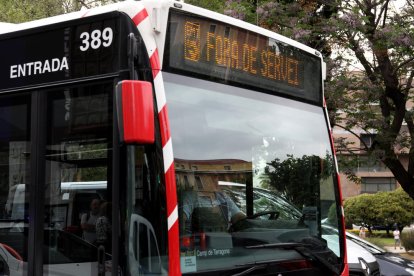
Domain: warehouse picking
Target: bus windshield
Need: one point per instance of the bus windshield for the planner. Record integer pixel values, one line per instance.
(255, 177)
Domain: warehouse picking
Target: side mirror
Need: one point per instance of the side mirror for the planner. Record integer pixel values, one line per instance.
(135, 112)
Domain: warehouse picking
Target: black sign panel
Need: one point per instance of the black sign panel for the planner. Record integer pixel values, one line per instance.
(200, 46)
(78, 49)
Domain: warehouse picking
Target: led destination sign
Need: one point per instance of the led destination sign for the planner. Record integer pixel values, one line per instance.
(214, 49)
(233, 54)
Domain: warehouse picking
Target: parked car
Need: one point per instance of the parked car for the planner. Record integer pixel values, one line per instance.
(360, 261)
(390, 263)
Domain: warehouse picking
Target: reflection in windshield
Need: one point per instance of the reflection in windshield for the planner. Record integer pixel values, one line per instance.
(251, 169)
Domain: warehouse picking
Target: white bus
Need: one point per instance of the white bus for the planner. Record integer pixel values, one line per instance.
(155, 105)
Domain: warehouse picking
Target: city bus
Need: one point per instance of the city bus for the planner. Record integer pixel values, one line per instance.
(159, 138)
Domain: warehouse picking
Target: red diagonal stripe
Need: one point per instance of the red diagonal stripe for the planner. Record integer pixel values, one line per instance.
(164, 126)
(170, 189)
(174, 249)
(155, 63)
(140, 17)
(171, 194)
(173, 233)
(83, 15)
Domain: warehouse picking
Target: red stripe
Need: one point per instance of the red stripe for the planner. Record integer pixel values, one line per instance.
(85, 14)
(171, 192)
(164, 125)
(170, 189)
(155, 63)
(345, 271)
(140, 17)
(174, 249)
(173, 233)
(171, 197)
(332, 142)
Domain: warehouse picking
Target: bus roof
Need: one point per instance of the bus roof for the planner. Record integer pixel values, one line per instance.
(157, 10)
(7, 27)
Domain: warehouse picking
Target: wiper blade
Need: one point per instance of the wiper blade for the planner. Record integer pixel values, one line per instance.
(302, 249)
(284, 245)
(251, 269)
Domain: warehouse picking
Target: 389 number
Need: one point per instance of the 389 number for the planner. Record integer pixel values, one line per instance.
(96, 39)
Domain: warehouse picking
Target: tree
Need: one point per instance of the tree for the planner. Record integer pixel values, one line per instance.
(361, 210)
(378, 40)
(382, 208)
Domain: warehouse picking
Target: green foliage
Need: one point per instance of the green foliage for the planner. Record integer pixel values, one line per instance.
(294, 19)
(361, 209)
(407, 239)
(332, 215)
(347, 165)
(17, 11)
(213, 5)
(380, 241)
(382, 208)
(298, 179)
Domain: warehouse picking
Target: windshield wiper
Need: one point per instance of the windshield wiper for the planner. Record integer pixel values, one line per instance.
(250, 269)
(302, 249)
(284, 245)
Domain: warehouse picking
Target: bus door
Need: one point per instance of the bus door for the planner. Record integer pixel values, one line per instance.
(15, 140)
(56, 152)
(78, 179)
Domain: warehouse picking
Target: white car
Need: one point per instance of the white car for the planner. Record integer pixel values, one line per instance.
(360, 260)
(390, 263)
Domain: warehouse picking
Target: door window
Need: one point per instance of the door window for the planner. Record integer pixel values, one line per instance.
(77, 218)
(14, 180)
(146, 206)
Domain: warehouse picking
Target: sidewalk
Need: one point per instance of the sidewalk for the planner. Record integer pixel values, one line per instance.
(391, 249)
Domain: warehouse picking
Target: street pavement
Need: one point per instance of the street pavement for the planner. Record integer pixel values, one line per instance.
(395, 250)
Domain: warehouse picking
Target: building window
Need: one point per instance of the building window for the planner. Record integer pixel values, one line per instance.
(227, 168)
(370, 164)
(377, 184)
(367, 139)
(194, 168)
(199, 183)
(186, 182)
